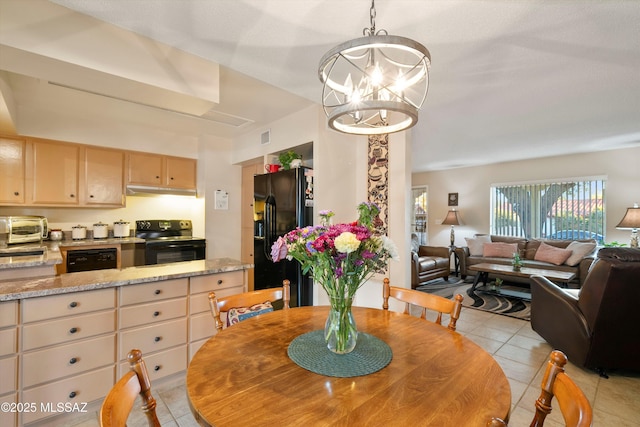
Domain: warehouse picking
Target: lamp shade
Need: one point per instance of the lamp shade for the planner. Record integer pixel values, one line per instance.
(631, 219)
(452, 218)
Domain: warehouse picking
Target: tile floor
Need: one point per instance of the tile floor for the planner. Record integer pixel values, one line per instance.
(519, 350)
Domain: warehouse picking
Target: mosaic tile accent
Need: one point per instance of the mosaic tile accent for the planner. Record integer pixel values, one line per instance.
(378, 177)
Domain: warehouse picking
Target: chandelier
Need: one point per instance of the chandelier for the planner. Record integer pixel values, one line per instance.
(374, 84)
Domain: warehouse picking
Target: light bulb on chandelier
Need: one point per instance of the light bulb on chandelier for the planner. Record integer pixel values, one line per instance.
(393, 78)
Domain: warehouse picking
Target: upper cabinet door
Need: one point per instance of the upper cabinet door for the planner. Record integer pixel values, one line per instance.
(104, 177)
(55, 173)
(12, 158)
(145, 169)
(181, 172)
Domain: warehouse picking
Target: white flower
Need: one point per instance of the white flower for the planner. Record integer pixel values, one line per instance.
(347, 242)
(390, 247)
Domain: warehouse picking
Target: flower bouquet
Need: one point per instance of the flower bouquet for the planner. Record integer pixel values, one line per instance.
(341, 258)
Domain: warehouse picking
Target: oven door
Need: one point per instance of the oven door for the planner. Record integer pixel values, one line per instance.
(166, 251)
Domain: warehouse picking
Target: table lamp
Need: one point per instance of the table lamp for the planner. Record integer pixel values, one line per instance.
(452, 219)
(631, 220)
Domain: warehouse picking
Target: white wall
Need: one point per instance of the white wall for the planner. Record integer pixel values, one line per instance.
(472, 185)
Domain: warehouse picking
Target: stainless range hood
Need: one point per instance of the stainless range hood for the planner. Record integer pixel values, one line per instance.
(142, 190)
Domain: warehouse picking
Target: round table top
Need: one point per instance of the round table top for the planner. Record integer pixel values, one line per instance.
(243, 376)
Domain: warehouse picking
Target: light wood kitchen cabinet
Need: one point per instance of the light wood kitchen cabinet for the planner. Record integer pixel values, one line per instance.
(103, 181)
(161, 171)
(54, 170)
(8, 359)
(201, 323)
(75, 334)
(153, 319)
(247, 221)
(12, 165)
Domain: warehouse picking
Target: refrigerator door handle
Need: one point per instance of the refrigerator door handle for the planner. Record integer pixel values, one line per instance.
(269, 225)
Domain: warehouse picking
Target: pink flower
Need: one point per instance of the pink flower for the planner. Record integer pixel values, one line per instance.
(279, 249)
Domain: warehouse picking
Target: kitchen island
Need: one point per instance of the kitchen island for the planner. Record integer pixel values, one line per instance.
(84, 324)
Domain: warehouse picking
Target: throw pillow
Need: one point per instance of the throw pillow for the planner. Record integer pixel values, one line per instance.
(476, 244)
(499, 249)
(238, 314)
(553, 255)
(579, 250)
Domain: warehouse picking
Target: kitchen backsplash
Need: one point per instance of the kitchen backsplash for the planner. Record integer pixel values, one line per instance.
(159, 207)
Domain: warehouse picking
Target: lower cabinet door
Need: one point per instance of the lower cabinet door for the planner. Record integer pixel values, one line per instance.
(70, 395)
(153, 338)
(162, 364)
(70, 359)
(9, 418)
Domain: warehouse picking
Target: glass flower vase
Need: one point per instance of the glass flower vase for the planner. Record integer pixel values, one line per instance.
(340, 332)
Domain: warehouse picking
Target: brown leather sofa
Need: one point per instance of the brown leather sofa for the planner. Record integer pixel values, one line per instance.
(527, 248)
(596, 326)
(428, 263)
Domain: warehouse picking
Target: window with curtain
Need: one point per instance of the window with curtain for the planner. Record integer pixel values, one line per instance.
(568, 209)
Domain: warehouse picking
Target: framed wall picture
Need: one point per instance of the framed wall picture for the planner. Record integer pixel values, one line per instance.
(453, 199)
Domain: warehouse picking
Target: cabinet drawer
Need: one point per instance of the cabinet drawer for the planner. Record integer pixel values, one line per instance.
(153, 338)
(154, 291)
(9, 419)
(9, 369)
(68, 329)
(215, 282)
(199, 303)
(77, 390)
(162, 364)
(8, 313)
(8, 341)
(49, 307)
(144, 314)
(194, 347)
(57, 362)
(201, 326)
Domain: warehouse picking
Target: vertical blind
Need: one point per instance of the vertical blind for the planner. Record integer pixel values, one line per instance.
(570, 209)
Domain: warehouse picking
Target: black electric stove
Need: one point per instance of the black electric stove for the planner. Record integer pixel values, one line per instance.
(170, 241)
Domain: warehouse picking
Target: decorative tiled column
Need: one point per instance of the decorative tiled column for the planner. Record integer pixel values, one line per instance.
(378, 177)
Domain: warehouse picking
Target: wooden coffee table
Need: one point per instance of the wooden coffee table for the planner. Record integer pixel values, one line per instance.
(484, 269)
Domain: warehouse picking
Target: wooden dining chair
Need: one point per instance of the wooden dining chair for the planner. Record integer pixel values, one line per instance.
(248, 304)
(574, 405)
(118, 404)
(424, 300)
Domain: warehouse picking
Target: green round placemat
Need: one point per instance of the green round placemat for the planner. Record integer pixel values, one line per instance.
(310, 352)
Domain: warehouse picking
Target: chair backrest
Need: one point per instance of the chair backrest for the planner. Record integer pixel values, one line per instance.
(247, 299)
(574, 405)
(120, 400)
(424, 300)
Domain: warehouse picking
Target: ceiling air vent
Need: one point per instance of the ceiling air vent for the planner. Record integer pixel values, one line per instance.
(265, 137)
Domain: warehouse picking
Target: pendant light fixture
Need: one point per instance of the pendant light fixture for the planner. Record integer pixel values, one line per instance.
(374, 84)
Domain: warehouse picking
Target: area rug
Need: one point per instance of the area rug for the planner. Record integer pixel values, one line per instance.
(479, 300)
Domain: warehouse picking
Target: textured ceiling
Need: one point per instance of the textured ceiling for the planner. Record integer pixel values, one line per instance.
(509, 79)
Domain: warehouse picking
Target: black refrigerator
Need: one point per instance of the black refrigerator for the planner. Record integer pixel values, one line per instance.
(282, 201)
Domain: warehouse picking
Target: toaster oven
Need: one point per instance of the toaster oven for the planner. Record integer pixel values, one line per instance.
(23, 229)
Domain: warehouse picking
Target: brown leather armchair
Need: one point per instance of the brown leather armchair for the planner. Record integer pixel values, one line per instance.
(428, 263)
(596, 326)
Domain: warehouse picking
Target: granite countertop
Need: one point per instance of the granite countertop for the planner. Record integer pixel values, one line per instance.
(50, 251)
(99, 279)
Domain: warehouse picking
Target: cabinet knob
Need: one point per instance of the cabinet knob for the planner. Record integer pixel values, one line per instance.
(157, 339)
(91, 196)
(73, 330)
(16, 193)
(219, 281)
(171, 178)
(157, 292)
(157, 368)
(73, 360)
(156, 313)
(73, 304)
(157, 177)
(72, 195)
(72, 394)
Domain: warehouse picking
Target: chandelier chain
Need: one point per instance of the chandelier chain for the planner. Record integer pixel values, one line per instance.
(372, 15)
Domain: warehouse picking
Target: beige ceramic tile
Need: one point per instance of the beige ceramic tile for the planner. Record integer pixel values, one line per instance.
(492, 333)
(519, 354)
(530, 344)
(489, 345)
(516, 370)
(508, 324)
(517, 390)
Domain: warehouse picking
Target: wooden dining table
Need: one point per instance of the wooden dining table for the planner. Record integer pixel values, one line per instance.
(243, 376)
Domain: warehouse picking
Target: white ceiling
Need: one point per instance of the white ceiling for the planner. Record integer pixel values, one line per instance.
(509, 79)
